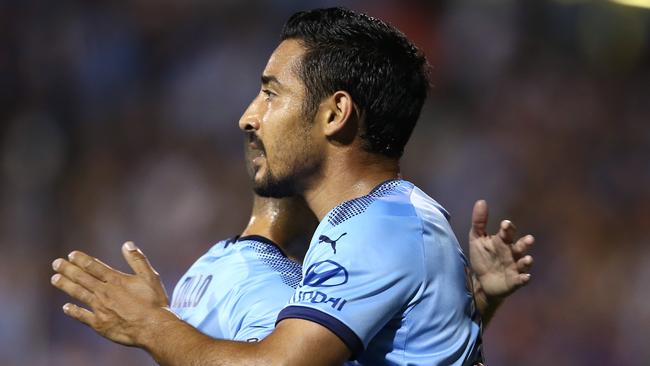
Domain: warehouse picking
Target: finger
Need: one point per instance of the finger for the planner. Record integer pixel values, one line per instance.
(479, 219)
(522, 246)
(520, 280)
(525, 264)
(76, 274)
(524, 279)
(93, 266)
(137, 260)
(74, 290)
(76, 312)
(507, 231)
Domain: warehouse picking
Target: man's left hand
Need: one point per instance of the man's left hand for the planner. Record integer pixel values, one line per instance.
(121, 305)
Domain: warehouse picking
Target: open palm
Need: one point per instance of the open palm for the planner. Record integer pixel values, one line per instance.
(500, 264)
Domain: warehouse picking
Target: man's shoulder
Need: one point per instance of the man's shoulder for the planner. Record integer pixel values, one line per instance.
(247, 261)
(249, 269)
(258, 272)
(381, 227)
(396, 220)
(426, 207)
(213, 254)
(395, 205)
(387, 201)
(247, 250)
(267, 263)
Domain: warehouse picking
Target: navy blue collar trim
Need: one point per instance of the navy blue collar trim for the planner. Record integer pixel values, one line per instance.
(261, 239)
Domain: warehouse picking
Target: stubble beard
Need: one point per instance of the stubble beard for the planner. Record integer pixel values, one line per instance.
(290, 178)
(274, 187)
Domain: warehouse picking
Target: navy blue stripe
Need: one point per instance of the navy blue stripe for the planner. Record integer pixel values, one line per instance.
(334, 325)
(445, 214)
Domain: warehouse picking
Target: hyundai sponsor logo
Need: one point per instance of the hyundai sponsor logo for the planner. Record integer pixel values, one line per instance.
(325, 274)
(317, 297)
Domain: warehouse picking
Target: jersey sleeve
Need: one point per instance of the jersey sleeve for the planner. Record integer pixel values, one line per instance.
(255, 323)
(255, 307)
(357, 276)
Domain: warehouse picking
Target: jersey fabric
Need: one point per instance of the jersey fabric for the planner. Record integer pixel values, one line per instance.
(385, 273)
(236, 289)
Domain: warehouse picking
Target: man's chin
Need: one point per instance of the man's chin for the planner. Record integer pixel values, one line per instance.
(275, 190)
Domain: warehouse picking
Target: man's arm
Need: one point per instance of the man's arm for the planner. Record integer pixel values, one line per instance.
(500, 265)
(294, 342)
(132, 310)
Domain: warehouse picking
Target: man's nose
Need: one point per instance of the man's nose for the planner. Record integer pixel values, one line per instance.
(250, 120)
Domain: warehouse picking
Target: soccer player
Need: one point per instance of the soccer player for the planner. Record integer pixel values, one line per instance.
(236, 290)
(384, 280)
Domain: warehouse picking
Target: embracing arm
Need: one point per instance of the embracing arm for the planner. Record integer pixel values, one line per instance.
(132, 310)
(294, 342)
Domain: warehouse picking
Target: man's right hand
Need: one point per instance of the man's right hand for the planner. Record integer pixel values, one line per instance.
(499, 263)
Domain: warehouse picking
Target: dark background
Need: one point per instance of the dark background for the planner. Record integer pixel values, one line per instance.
(118, 121)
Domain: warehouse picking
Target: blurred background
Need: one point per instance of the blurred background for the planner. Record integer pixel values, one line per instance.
(118, 121)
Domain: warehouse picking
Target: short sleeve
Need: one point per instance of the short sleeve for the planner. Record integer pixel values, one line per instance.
(357, 276)
(254, 307)
(257, 322)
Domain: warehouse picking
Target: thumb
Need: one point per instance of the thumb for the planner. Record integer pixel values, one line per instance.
(137, 260)
(479, 219)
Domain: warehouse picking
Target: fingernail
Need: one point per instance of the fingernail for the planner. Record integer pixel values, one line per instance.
(66, 307)
(55, 278)
(56, 264)
(71, 255)
(130, 246)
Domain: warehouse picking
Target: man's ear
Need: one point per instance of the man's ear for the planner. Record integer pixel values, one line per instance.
(340, 115)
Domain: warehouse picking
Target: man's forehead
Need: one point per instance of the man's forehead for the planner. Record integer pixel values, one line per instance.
(284, 60)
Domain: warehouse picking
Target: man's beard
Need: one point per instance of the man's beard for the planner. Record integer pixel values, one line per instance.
(270, 186)
(287, 185)
(273, 187)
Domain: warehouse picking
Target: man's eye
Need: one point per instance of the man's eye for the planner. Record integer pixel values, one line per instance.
(268, 94)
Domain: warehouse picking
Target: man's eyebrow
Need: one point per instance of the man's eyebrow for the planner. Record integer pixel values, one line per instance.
(270, 79)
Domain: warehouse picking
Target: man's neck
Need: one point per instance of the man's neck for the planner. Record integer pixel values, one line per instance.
(287, 222)
(348, 177)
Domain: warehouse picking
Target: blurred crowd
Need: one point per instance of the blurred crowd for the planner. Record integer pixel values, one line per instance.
(118, 121)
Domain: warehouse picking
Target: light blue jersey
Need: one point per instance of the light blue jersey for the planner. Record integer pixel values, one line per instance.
(385, 273)
(236, 290)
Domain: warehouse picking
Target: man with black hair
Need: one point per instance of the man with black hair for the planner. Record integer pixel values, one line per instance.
(339, 99)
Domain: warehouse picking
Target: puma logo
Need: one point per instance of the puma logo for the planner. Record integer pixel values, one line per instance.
(325, 239)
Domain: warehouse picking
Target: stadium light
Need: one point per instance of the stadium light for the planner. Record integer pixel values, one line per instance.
(637, 3)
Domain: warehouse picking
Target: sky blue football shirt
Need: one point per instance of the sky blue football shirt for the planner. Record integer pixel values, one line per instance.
(236, 290)
(386, 274)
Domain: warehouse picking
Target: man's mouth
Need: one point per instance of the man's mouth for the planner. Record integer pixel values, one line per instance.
(256, 152)
(254, 143)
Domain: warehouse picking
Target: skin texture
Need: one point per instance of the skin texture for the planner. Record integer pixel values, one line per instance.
(279, 148)
(499, 262)
(287, 222)
(324, 161)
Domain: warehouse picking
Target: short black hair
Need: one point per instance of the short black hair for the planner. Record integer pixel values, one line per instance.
(385, 73)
